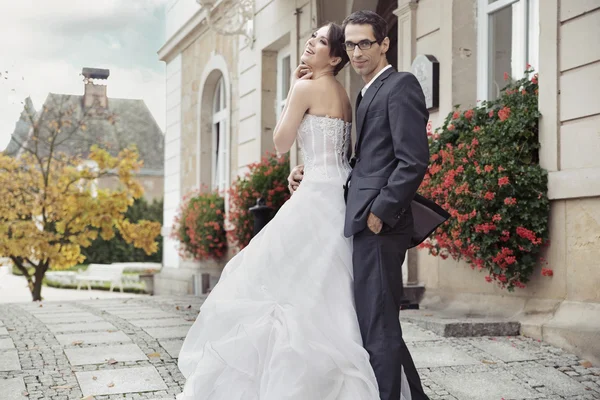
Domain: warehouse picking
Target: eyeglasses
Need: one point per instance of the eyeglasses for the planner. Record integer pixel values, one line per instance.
(363, 45)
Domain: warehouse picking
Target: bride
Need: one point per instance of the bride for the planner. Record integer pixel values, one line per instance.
(281, 322)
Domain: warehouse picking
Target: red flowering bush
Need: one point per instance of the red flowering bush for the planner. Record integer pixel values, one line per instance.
(484, 171)
(199, 226)
(266, 179)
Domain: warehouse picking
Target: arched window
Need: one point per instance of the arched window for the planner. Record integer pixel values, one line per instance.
(219, 137)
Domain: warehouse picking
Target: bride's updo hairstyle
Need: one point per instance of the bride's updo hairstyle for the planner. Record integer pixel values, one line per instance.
(335, 38)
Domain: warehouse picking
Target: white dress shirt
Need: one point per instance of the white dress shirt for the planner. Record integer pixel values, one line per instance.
(364, 89)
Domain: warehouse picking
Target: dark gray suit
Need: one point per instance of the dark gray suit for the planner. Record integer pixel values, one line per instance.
(391, 158)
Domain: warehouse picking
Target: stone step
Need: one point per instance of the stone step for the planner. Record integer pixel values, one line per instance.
(412, 296)
(461, 326)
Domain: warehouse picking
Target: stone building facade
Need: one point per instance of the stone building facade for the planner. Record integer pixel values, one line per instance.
(475, 42)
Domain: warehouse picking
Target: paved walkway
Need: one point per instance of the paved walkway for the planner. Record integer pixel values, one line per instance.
(128, 348)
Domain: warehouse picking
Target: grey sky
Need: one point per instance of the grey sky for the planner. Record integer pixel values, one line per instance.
(45, 43)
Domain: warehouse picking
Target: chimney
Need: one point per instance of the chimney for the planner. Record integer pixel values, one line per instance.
(95, 87)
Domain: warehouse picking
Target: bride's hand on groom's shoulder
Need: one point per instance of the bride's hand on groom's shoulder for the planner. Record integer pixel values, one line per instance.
(295, 178)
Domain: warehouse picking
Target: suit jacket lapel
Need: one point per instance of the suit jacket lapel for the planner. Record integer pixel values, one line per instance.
(363, 105)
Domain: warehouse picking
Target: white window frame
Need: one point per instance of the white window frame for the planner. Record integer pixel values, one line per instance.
(281, 77)
(220, 141)
(93, 184)
(525, 38)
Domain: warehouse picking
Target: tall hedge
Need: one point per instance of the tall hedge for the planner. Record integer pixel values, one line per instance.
(117, 250)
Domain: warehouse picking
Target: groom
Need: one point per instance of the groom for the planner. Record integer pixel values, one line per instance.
(383, 212)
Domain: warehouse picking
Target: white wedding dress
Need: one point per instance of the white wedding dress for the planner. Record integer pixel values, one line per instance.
(281, 324)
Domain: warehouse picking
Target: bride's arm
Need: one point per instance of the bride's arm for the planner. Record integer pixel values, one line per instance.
(297, 104)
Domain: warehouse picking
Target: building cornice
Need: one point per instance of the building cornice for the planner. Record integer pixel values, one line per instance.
(184, 36)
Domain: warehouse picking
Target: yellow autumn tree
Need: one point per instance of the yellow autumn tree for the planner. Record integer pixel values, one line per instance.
(50, 202)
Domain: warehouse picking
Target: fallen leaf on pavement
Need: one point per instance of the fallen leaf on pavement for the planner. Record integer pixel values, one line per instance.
(488, 362)
(62, 387)
(111, 385)
(586, 364)
(77, 342)
(154, 355)
(190, 306)
(112, 361)
(95, 378)
(178, 308)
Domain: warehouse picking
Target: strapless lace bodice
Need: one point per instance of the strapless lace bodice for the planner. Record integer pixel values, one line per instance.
(324, 142)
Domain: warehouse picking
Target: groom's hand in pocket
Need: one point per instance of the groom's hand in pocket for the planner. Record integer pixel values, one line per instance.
(374, 223)
(295, 178)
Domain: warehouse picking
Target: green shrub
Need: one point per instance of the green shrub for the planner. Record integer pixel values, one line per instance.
(117, 250)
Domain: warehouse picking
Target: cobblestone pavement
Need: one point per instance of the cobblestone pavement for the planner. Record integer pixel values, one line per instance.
(128, 348)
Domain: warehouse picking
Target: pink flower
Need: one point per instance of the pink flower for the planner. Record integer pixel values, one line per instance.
(547, 272)
(504, 113)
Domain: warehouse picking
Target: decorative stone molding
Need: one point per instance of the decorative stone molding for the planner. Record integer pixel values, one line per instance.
(230, 17)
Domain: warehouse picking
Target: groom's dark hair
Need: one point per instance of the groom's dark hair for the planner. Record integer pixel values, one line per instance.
(366, 17)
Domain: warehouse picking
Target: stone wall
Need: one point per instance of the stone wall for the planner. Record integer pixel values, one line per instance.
(195, 59)
(153, 185)
(562, 309)
(204, 57)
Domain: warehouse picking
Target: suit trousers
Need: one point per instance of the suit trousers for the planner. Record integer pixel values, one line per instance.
(377, 263)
